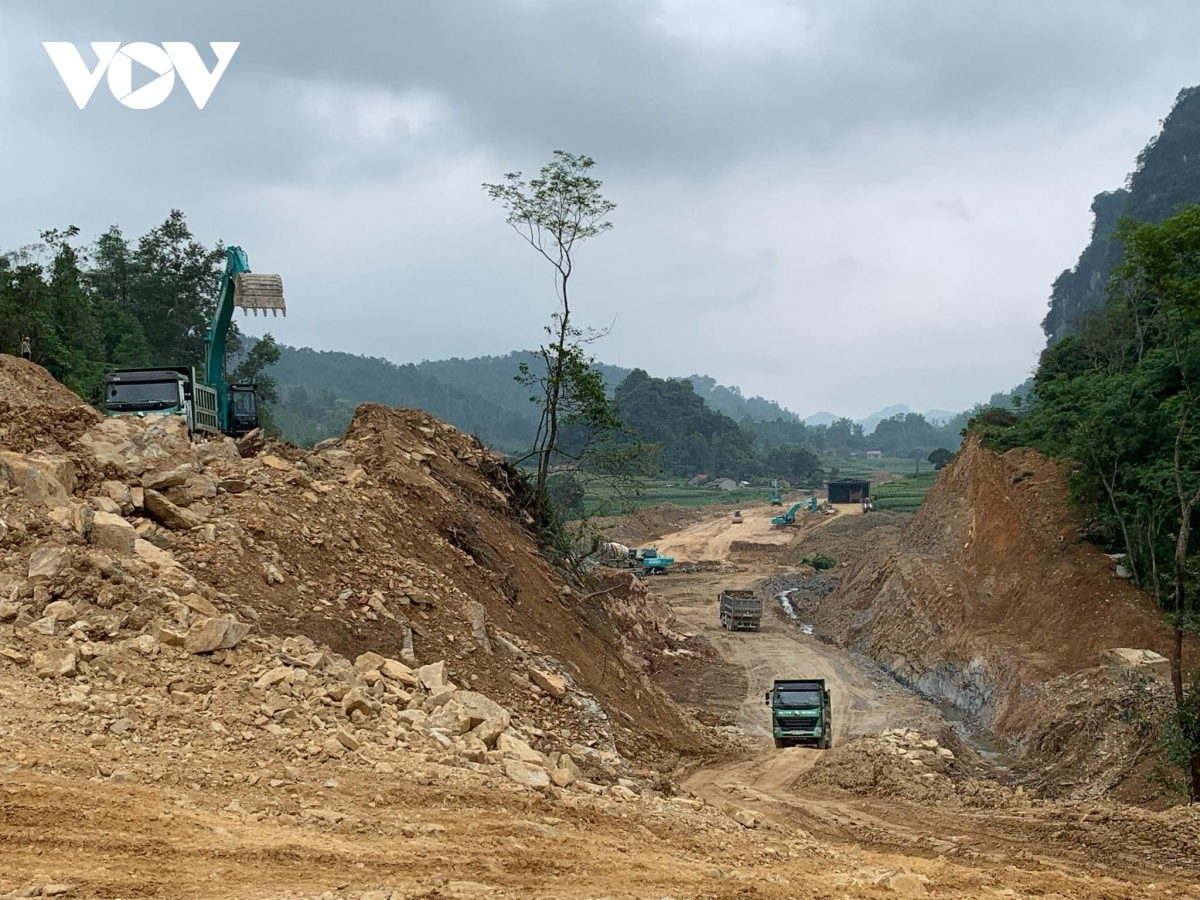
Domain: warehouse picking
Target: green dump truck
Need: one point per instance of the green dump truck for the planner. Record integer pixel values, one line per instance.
(801, 713)
(740, 610)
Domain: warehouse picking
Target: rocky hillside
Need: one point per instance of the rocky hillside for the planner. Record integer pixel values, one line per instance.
(1167, 176)
(990, 600)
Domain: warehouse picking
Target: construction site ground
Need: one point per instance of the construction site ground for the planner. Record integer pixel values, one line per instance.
(973, 813)
(261, 672)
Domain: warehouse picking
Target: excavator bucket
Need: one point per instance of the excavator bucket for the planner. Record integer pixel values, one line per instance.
(255, 292)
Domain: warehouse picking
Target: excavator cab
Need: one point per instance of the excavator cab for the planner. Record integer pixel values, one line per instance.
(243, 409)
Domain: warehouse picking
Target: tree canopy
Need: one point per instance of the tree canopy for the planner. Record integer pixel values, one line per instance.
(118, 303)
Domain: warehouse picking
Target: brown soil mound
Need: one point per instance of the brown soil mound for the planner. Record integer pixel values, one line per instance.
(649, 523)
(848, 538)
(36, 411)
(26, 384)
(405, 539)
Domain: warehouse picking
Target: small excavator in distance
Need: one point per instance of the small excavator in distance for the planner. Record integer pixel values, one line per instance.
(776, 497)
(213, 405)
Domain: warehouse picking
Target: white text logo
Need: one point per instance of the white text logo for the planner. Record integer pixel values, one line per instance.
(118, 61)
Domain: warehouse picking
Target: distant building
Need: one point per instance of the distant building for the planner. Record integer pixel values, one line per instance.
(848, 490)
(874, 454)
(725, 484)
(698, 480)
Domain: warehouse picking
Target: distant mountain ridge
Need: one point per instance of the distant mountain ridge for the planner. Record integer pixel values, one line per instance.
(478, 395)
(870, 423)
(320, 390)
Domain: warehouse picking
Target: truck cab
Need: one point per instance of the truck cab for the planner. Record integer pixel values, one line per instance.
(801, 713)
(159, 392)
(148, 392)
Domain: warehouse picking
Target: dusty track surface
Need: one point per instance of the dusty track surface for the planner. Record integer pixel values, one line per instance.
(851, 793)
(712, 539)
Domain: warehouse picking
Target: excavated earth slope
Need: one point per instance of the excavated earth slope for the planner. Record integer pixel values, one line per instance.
(991, 601)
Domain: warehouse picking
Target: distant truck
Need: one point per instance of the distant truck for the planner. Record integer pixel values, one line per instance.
(740, 611)
(801, 713)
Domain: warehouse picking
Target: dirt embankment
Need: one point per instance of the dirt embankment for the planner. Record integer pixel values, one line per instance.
(990, 600)
(648, 523)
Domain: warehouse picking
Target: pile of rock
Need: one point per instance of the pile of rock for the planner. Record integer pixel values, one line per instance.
(918, 749)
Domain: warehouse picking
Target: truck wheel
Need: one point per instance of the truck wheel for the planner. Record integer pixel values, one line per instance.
(780, 743)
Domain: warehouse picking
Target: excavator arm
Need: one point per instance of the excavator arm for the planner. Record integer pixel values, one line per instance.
(248, 291)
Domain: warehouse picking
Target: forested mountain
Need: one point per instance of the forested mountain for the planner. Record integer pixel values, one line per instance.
(689, 436)
(685, 436)
(320, 390)
(1166, 177)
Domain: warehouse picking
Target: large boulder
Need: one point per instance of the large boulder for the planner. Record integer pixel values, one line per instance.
(515, 748)
(112, 533)
(120, 494)
(147, 552)
(208, 635)
(481, 709)
(157, 443)
(450, 719)
(433, 676)
(168, 514)
(397, 671)
(168, 478)
(1131, 660)
(45, 480)
(74, 515)
(526, 774)
(220, 450)
(552, 684)
(47, 563)
(54, 663)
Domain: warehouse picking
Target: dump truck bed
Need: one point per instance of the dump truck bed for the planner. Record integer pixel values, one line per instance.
(740, 610)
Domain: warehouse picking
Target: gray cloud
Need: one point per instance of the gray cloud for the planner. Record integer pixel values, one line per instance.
(919, 169)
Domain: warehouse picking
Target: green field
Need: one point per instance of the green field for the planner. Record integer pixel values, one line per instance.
(903, 494)
(860, 467)
(651, 492)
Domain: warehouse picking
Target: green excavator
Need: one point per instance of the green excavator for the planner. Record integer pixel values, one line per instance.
(213, 405)
(776, 497)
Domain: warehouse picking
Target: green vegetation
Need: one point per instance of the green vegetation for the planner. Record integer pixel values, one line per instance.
(819, 561)
(600, 499)
(1121, 398)
(578, 424)
(684, 433)
(118, 304)
(903, 494)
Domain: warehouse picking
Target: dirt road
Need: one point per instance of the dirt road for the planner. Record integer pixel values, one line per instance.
(712, 538)
(879, 813)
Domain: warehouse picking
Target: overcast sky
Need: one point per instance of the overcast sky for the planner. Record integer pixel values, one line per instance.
(839, 204)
